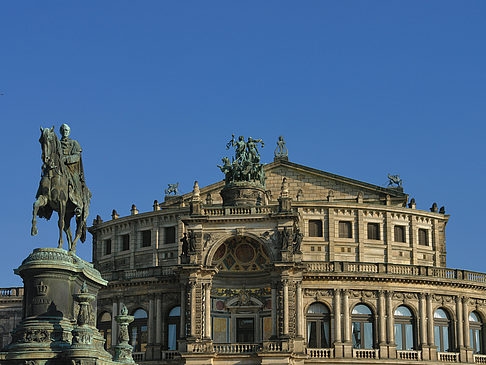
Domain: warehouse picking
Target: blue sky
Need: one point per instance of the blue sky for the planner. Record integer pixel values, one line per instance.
(153, 90)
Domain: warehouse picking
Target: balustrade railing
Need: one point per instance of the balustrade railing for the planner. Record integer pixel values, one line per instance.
(479, 359)
(215, 212)
(236, 348)
(448, 356)
(366, 353)
(11, 292)
(320, 353)
(138, 356)
(409, 355)
(394, 269)
(169, 355)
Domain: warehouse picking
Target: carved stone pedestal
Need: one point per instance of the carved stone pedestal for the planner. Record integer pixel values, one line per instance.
(58, 322)
(242, 194)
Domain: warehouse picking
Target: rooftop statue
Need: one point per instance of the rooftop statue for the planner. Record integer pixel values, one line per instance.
(394, 179)
(281, 151)
(172, 189)
(245, 166)
(62, 187)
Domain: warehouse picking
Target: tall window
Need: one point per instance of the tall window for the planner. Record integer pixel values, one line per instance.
(399, 232)
(442, 330)
(125, 242)
(170, 236)
(138, 331)
(476, 333)
(373, 231)
(104, 325)
(146, 238)
(404, 328)
(173, 324)
(423, 238)
(245, 330)
(318, 328)
(108, 247)
(363, 331)
(315, 228)
(345, 229)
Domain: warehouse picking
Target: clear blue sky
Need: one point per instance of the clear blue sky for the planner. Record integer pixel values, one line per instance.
(154, 89)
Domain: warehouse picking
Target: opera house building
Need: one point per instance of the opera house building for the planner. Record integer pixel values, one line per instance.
(287, 264)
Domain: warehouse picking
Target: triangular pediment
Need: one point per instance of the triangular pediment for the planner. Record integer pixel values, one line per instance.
(309, 184)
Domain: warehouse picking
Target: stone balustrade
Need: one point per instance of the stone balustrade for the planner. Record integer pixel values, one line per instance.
(169, 355)
(236, 348)
(409, 355)
(395, 269)
(366, 353)
(215, 212)
(448, 356)
(320, 353)
(12, 292)
(479, 359)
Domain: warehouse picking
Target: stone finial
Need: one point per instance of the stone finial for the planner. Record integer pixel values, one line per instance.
(359, 198)
(134, 210)
(97, 220)
(123, 350)
(281, 152)
(196, 193)
(209, 199)
(156, 205)
(284, 189)
(412, 203)
(434, 208)
(442, 210)
(114, 214)
(330, 195)
(387, 199)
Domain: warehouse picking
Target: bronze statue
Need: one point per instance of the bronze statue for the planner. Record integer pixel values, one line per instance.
(395, 179)
(62, 187)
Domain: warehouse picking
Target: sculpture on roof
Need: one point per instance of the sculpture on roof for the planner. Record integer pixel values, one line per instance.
(394, 180)
(172, 189)
(62, 187)
(245, 167)
(281, 151)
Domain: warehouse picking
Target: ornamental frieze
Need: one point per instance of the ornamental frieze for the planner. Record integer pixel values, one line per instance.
(318, 293)
(368, 294)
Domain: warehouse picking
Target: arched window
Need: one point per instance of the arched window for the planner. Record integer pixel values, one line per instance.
(138, 331)
(173, 324)
(104, 325)
(363, 328)
(404, 328)
(442, 330)
(318, 331)
(476, 333)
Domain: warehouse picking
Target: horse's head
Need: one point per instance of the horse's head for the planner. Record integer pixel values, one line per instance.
(49, 144)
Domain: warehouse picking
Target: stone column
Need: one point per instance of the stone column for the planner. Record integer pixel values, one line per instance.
(151, 320)
(298, 309)
(337, 316)
(192, 286)
(430, 320)
(382, 318)
(285, 284)
(423, 320)
(459, 324)
(346, 317)
(183, 312)
(207, 307)
(114, 325)
(159, 320)
(389, 304)
(467, 340)
(274, 310)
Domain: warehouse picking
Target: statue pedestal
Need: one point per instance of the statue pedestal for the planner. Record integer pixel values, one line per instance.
(59, 316)
(242, 194)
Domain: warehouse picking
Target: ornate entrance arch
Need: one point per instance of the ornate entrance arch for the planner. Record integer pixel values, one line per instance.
(240, 254)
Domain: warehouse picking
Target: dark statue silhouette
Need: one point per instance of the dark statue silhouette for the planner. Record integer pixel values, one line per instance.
(62, 187)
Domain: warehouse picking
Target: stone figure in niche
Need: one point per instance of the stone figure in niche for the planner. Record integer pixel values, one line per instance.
(192, 242)
(298, 237)
(209, 199)
(172, 189)
(285, 238)
(185, 246)
(62, 187)
(394, 180)
(281, 150)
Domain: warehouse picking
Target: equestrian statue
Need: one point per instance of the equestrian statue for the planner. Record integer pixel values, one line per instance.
(62, 187)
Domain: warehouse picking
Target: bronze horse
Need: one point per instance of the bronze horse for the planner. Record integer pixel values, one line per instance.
(53, 192)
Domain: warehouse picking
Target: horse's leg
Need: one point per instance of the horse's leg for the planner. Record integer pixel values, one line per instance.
(60, 222)
(40, 202)
(79, 230)
(67, 229)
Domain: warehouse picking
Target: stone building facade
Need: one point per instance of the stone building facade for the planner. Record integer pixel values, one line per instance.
(319, 269)
(10, 312)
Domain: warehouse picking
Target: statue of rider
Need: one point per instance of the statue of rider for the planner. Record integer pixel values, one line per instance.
(78, 192)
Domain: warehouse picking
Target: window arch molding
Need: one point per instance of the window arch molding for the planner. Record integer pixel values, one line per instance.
(410, 307)
(321, 301)
(138, 329)
(103, 324)
(444, 326)
(371, 306)
(363, 325)
(173, 325)
(477, 328)
(405, 326)
(318, 325)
